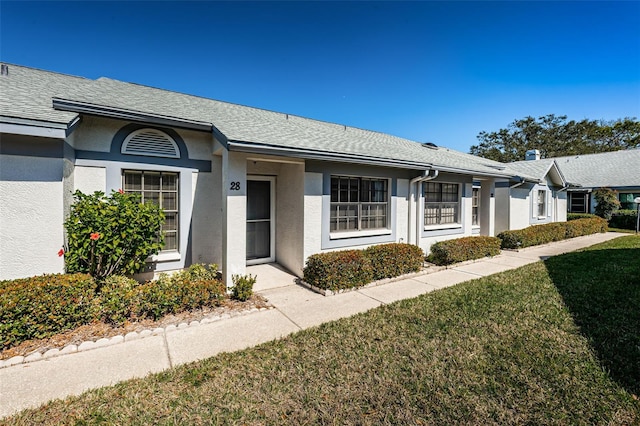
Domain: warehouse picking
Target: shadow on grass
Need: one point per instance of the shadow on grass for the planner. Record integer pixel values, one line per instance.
(601, 289)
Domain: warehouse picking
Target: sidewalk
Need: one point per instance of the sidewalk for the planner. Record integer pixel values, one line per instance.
(108, 361)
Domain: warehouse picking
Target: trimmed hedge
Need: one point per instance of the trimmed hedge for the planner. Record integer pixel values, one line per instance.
(575, 216)
(462, 249)
(394, 259)
(122, 299)
(40, 307)
(339, 270)
(624, 219)
(550, 232)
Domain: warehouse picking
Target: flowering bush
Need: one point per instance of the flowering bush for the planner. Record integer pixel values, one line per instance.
(111, 234)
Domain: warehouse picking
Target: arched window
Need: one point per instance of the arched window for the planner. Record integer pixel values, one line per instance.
(150, 142)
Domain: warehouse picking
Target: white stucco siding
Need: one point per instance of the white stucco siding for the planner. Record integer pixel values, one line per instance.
(206, 224)
(312, 213)
(402, 211)
(31, 216)
(234, 201)
(290, 217)
(95, 134)
(502, 209)
(520, 210)
(90, 179)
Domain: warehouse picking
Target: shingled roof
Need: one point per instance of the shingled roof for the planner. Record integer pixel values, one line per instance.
(27, 94)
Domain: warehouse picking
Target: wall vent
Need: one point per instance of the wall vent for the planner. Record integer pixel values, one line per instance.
(151, 143)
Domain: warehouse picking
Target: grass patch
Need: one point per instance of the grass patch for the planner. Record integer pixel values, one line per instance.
(520, 347)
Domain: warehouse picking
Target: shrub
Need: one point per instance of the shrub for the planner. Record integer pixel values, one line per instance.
(179, 292)
(111, 234)
(606, 202)
(394, 259)
(338, 270)
(39, 307)
(242, 287)
(574, 216)
(549, 232)
(624, 219)
(461, 249)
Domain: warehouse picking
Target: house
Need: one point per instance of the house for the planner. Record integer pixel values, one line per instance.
(525, 203)
(617, 170)
(239, 185)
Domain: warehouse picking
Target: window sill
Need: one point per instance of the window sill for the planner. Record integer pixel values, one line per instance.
(359, 234)
(475, 226)
(438, 227)
(167, 256)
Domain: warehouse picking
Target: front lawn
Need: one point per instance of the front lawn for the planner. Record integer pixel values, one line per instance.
(548, 343)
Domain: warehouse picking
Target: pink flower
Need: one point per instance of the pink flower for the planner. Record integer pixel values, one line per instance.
(121, 191)
(94, 235)
(60, 252)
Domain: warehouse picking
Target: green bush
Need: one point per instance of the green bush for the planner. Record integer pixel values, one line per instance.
(242, 287)
(574, 216)
(338, 270)
(113, 234)
(39, 307)
(606, 202)
(624, 219)
(550, 232)
(462, 249)
(394, 259)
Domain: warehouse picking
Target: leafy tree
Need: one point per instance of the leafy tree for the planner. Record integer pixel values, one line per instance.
(554, 136)
(607, 202)
(111, 234)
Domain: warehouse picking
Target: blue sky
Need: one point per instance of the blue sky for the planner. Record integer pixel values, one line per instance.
(428, 71)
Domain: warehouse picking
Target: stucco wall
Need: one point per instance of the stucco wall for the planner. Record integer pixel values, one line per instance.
(31, 216)
(290, 217)
(206, 226)
(502, 203)
(520, 207)
(90, 179)
(312, 213)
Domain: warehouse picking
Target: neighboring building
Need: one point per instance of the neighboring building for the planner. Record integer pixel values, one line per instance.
(617, 170)
(531, 203)
(239, 185)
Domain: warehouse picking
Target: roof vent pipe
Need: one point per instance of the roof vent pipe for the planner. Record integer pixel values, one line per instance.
(4, 69)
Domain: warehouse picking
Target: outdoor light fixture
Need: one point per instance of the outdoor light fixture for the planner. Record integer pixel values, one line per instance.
(637, 201)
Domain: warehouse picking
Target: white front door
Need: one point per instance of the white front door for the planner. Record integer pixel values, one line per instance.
(260, 219)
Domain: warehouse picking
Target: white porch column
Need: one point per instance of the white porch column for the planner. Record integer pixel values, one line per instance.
(488, 208)
(234, 212)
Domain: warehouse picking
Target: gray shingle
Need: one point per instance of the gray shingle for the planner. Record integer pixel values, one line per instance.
(28, 93)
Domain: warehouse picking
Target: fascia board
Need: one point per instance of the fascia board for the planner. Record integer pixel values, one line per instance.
(124, 114)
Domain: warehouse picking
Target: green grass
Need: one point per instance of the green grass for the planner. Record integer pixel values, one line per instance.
(548, 343)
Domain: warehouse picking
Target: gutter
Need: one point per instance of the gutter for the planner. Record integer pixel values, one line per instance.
(322, 155)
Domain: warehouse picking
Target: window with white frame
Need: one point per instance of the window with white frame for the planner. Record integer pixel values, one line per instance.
(475, 207)
(542, 203)
(359, 203)
(160, 188)
(441, 203)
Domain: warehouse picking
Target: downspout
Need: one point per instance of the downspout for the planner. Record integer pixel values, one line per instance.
(414, 217)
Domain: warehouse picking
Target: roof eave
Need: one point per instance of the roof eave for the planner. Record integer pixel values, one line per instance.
(125, 114)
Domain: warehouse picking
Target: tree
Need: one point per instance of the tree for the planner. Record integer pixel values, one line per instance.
(606, 202)
(554, 136)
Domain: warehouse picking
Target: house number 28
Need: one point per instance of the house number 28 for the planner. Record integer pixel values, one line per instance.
(235, 186)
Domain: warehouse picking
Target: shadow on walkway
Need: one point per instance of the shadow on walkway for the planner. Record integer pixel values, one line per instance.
(601, 289)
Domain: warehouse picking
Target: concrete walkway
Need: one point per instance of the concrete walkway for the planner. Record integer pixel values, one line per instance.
(30, 384)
